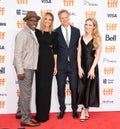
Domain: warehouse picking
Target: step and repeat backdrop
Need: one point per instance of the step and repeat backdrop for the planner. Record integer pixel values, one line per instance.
(107, 13)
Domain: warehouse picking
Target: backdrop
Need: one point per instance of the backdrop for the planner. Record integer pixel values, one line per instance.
(107, 12)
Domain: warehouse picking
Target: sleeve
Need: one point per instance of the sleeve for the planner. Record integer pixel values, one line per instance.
(20, 41)
(55, 42)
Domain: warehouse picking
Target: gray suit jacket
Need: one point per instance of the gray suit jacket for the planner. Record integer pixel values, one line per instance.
(26, 51)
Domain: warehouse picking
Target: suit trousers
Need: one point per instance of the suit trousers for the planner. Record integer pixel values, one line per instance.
(61, 82)
(24, 101)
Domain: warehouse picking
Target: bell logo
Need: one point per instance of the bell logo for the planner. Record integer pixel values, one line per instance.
(22, 1)
(2, 104)
(112, 3)
(90, 14)
(21, 24)
(110, 38)
(68, 2)
(42, 12)
(2, 11)
(2, 35)
(109, 70)
(108, 91)
(111, 27)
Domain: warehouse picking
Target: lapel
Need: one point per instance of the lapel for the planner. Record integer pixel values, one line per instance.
(71, 36)
(62, 37)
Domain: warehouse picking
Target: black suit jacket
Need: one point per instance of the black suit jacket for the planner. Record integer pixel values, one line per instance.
(64, 51)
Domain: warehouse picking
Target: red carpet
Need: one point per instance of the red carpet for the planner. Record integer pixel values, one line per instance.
(98, 120)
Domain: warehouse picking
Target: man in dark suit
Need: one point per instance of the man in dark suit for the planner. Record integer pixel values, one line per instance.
(68, 37)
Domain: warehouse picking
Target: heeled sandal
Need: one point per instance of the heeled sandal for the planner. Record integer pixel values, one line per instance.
(87, 117)
(82, 119)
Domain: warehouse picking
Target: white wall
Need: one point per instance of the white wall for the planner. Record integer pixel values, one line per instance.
(105, 11)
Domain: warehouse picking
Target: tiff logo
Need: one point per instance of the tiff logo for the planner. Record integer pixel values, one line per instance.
(110, 49)
(2, 59)
(2, 35)
(112, 3)
(108, 91)
(90, 14)
(42, 12)
(2, 11)
(2, 104)
(22, 1)
(109, 70)
(2, 81)
(21, 24)
(46, 1)
(68, 2)
(111, 26)
(67, 92)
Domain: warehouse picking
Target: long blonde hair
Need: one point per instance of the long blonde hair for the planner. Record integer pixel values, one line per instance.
(42, 27)
(95, 34)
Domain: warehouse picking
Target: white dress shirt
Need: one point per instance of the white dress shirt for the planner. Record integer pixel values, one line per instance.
(33, 32)
(64, 32)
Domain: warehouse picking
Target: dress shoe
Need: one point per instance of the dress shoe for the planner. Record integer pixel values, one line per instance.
(18, 116)
(34, 120)
(75, 115)
(60, 115)
(30, 124)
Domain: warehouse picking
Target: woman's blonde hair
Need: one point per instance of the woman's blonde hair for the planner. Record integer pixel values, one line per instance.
(42, 27)
(96, 35)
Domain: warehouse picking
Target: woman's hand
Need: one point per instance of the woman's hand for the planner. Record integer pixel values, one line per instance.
(80, 72)
(91, 74)
(55, 71)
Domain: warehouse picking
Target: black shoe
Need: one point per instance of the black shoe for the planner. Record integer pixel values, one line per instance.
(75, 115)
(18, 116)
(60, 115)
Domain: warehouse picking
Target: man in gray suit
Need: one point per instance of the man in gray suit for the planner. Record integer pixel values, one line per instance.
(68, 37)
(25, 62)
